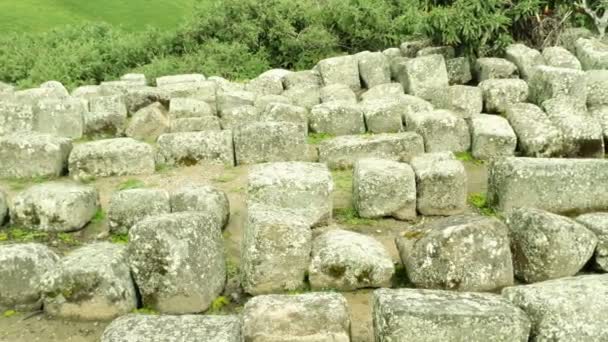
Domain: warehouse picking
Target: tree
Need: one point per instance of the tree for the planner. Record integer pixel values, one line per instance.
(600, 21)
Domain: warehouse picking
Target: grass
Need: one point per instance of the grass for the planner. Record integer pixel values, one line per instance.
(164, 168)
(479, 201)
(317, 138)
(99, 216)
(350, 216)
(120, 239)
(145, 311)
(9, 313)
(226, 177)
(18, 184)
(467, 157)
(131, 183)
(19, 234)
(343, 180)
(219, 304)
(68, 239)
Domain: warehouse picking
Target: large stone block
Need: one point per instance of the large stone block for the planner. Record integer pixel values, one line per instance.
(499, 94)
(87, 92)
(136, 79)
(269, 142)
(268, 83)
(592, 53)
(424, 76)
(299, 79)
(175, 79)
(304, 96)
(137, 98)
(337, 118)
(199, 124)
(185, 107)
(412, 105)
(15, 117)
(178, 261)
(598, 224)
(21, 267)
(227, 100)
(537, 135)
(524, 58)
(531, 182)
(337, 92)
(91, 283)
(600, 114)
(492, 137)
(60, 117)
(204, 91)
(384, 188)
(550, 82)
(464, 101)
(309, 317)
(343, 152)
(441, 184)
(346, 261)
(442, 130)
(111, 157)
(127, 207)
(374, 68)
(490, 68)
(55, 207)
(50, 90)
(384, 115)
(383, 91)
(343, 70)
(597, 87)
(202, 198)
(234, 117)
(190, 148)
(261, 102)
(286, 112)
(27, 155)
(275, 251)
(569, 36)
(463, 253)
(547, 246)
(459, 70)
(107, 117)
(410, 48)
(558, 57)
(434, 315)
(568, 309)
(149, 123)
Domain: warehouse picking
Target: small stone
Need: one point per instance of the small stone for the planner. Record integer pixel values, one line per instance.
(597, 87)
(342, 70)
(569, 37)
(286, 112)
(338, 92)
(411, 48)
(490, 68)
(499, 94)
(459, 70)
(424, 76)
(149, 123)
(127, 207)
(524, 58)
(268, 83)
(202, 198)
(28, 155)
(492, 137)
(191, 148)
(337, 118)
(107, 117)
(87, 92)
(446, 51)
(558, 57)
(392, 53)
(413, 105)
(442, 130)
(374, 68)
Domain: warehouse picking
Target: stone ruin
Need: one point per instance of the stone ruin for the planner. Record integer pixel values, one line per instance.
(401, 120)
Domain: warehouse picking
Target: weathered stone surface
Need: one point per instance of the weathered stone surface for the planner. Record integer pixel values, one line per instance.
(447, 52)
(303, 96)
(582, 134)
(228, 100)
(434, 315)
(531, 182)
(383, 91)
(343, 70)
(338, 92)
(111, 157)
(275, 251)
(185, 107)
(550, 82)
(178, 261)
(411, 48)
(384, 115)
(107, 117)
(136, 79)
(398, 73)
(298, 79)
(374, 68)
(597, 87)
(205, 91)
(268, 83)
(558, 57)
(463, 253)
(600, 113)
(55, 206)
(337, 118)
(547, 246)
(186, 328)
(499, 94)
(442, 130)
(269, 142)
(490, 68)
(15, 117)
(424, 76)
(598, 224)
(537, 136)
(127, 207)
(203, 123)
(149, 123)
(413, 105)
(524, 58)
(87, 92)
(27, 155)
(459, 70)
(202, 198)
(569, 309)
(60, 117)
(287, 113)
(234, 117)
(492, 137)
(463, 101)
(441, 184)
(592, 53)
(347, 261)
(91, 283)
(190, 148)
(21, 267)
(137, 98)
(3, 208)
(384, 188)
(261, 102)
(392, 53)
(173, 79)
(570, 35)
(51, 90)
(343, 152)
(309, 317)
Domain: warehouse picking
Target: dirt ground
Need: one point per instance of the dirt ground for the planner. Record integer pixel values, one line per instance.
(28, 327)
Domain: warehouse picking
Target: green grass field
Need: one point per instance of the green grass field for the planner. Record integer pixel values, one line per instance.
(42, 15)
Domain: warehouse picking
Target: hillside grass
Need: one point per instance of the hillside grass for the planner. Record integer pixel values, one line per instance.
(132, 15)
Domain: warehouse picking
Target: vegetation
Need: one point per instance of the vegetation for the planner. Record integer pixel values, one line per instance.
(119, 238)
(18, 234)
(479, 201)
(468, 157)
(99, 216)
(317, 138)
(145, 311)
(131, 184)
(350, 217)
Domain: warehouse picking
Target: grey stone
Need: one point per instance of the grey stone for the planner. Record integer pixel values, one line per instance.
(524, 58)
(383, 115)
(127, 207)
(343, 152)
(268, 83)
(204, 91)
(537, 135)
(309, 317)
(383, 91)
(384, 188)
(184, 328)
(531, 182)
(137, 98)
(304, 188)
(600, 114)
(269, 142)
(343, 70)
(571, 35)
(275, 251)
(459, 70)
(202, 198)
(374, 68)
(55, 206)
(302, 96)
(550, 82)
(60, 117)
(398, 73)
(547, 246)
(261, 102)
(107, 117)
(442, 130)
(424, 76)
(286, 112)
(592, 53)
(298, 79)
(51, 90)
(435, 315)
(598, 224)
(136, 79)
(568, 309)
(337, 118)
(91, 283)
(446, 51)
(464, 101)
(174, 79)
(346, 261)
(199, 124)
(178, 261)
(15, 117)
(463, 253)
(21, 267)
(582, 134)
(337, 92)
(411, 48)
(492, 137)
(28, 155)
(413, 105)
(228, 100)
(191, 148)
(499, 94)
(87, 92)
(392, 53)
(234, 117)
(185, 107)
(149, 123)
(111, 157)
(441, 184)
(557, 56)
(490, 68)
(597, 87)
